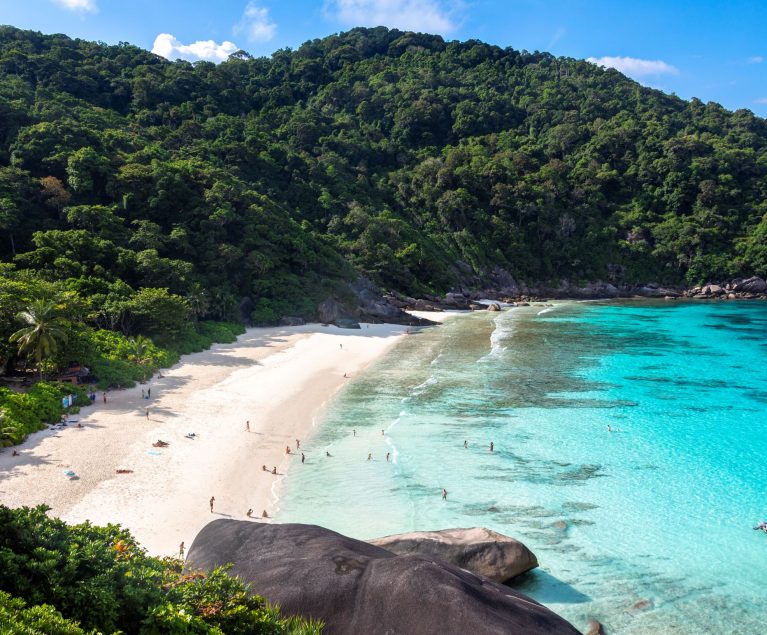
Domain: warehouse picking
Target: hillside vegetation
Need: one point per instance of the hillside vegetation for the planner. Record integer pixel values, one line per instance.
(147, 197)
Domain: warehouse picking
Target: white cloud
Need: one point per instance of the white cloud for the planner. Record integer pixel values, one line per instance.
(432, 16)
(756, 59)
(761, 100)
(85, 6)
(255, 24)
(169, 47)
(634, 67)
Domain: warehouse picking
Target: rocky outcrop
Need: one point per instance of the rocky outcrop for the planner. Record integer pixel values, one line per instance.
(478, 550)
(749, 285)
(594, 627)
(292, 320)
(355, 587)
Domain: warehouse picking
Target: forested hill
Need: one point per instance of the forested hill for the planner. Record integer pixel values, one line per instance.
(413, 160)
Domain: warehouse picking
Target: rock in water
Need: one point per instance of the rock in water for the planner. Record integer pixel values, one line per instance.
(479, 550)
(355, 587)
(595, 628)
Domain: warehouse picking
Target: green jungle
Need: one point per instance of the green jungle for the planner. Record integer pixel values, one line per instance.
(149, 208)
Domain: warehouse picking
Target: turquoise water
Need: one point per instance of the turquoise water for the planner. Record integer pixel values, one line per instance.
(647, 528)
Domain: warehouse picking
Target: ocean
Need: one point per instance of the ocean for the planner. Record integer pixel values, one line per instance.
(646, 525)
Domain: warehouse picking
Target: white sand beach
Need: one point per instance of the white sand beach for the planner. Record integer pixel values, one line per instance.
(278, 379)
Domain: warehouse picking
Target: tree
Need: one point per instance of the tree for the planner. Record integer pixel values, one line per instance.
(139, 349)
(44, 333)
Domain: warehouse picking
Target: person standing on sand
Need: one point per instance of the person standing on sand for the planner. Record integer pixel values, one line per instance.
(274, 470)
(212, 500)
(249, 513)
(492, 446)
(264, 514)
(303, 458)
(287, 449)
(181, 550)
(148, 393)
(247, 426)
(104, 396)
(444, 494)
(147, 413)
(298, 444)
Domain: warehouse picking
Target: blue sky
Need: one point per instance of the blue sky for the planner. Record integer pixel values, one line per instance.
(712, 49)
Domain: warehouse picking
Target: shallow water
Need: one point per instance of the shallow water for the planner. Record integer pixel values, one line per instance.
(647, 528)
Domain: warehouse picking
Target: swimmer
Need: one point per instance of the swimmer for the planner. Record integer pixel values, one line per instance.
(492, 446)
(465, 444)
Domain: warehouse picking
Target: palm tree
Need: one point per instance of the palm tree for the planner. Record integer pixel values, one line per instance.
(42, 335)
(139, 346)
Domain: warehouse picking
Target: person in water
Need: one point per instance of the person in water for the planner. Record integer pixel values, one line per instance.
(303, 458)
(465, 444)
(492, 446)
(444, 494)
(387, 457)
(370, 456)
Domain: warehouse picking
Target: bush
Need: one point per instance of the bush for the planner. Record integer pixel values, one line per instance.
(18, 619)
(100, 577)
(27, 412)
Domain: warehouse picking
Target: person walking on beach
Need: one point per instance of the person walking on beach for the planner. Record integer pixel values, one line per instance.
(148, 393)
(147, 413)
(444, 494)
(181, 550)
(492, 446)
(212, 500)
(247, 426)
(104, 397)
(303, 458)
(298, 444)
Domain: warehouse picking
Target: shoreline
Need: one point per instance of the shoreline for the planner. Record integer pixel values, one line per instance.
(280, 379)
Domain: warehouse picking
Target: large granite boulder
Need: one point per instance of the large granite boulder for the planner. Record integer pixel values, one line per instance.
(751, 285)
(355, 587)
(479, 550)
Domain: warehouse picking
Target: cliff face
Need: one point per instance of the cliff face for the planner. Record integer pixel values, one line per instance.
(355, 587)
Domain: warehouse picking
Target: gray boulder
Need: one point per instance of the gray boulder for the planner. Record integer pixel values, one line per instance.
(751, 285)
(347, 323)
(355, 587)
(479, 550)
(292, 320)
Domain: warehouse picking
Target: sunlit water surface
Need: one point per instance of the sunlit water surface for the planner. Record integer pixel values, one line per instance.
(647, 528)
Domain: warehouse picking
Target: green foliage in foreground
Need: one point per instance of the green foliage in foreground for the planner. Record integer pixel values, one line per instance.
(73, 579)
